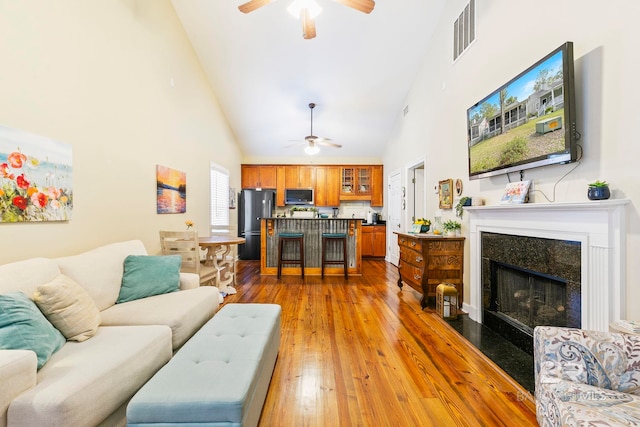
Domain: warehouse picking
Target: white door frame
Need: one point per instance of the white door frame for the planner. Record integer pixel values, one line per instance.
(394, 215)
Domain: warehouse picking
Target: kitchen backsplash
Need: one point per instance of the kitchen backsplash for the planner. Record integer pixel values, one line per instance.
(346, 210)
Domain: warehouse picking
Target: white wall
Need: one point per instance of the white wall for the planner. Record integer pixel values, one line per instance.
(98, 75)
(511, 36)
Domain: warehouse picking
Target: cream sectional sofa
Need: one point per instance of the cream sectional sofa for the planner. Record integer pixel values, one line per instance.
(90, 382)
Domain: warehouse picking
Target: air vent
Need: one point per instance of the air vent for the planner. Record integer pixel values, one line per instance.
(464, 29)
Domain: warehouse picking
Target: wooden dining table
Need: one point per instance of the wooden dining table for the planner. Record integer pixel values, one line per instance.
(218, 249)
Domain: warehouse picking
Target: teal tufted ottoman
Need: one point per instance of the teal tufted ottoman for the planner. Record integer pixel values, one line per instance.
(220, 377)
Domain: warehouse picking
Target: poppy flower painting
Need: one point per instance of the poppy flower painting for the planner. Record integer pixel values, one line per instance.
(35, 178)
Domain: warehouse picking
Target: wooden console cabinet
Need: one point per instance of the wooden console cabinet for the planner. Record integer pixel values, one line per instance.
(427, 260)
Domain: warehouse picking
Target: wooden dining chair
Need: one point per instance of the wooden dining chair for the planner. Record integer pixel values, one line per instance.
(185, 244)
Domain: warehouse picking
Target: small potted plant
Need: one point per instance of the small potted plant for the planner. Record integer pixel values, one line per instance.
(598, 190)
(451, 227)
(464, 201)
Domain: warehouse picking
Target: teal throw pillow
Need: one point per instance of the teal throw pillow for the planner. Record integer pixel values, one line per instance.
(148, 275)
(24, 327)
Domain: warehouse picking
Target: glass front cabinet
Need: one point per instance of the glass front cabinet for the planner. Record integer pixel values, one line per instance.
(356, 183)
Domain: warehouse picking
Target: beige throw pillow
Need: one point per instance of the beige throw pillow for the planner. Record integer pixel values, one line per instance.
(68, 307)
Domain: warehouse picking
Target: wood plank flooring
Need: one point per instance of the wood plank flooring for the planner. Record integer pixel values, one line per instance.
(360, 352)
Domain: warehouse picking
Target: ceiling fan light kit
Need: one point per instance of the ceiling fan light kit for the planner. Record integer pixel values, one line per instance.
(311, 149)
(307, 10)
(298, 7)
(312, 142)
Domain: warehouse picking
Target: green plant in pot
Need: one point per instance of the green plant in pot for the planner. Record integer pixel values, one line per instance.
(464, 201)
(301, 209)
(598, 190)
(451, 227)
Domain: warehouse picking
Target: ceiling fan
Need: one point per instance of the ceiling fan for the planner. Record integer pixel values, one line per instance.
(307, 10)
(313, 142)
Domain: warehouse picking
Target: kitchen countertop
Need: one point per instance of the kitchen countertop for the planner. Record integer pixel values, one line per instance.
(364, 224)
(298, 217)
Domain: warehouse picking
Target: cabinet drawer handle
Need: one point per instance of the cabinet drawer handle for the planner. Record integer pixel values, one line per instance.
(413, 243)
(401, 240)
(419, 258)
(417, 276)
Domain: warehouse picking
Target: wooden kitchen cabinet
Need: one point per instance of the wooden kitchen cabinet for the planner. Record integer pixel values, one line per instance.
(374, 240)
(427, 260)
(332, 183)
(356, 183)
(280, 186)
(327, 189)
(333, 186)
(258, 176)
(377, 186)
(300, 176)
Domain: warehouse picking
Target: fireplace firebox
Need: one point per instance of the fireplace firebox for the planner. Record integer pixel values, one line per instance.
(527, 282)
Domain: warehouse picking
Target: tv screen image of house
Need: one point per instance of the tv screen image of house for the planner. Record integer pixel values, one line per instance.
(526, 123)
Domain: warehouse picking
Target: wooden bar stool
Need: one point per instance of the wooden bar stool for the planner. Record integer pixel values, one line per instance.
(292, 238)
(334, 237)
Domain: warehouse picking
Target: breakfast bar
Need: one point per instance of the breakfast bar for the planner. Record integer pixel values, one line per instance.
(312, 228)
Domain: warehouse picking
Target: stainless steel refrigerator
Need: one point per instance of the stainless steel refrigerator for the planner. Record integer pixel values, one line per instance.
(252, 206)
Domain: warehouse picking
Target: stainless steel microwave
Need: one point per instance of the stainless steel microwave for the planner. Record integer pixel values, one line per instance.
(298, 196)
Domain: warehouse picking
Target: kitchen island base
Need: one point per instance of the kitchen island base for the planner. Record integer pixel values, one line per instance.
(313, 228)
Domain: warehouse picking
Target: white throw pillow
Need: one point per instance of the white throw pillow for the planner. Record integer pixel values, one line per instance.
(68, 307)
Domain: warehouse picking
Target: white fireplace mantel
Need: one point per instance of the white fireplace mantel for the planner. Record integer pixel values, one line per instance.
(600, 227)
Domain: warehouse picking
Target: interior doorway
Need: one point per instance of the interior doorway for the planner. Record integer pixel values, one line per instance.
(416, 195)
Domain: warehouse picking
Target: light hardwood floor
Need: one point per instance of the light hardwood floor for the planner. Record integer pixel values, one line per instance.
(360, 352)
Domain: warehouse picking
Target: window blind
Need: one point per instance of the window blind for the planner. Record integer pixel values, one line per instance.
(219, 196)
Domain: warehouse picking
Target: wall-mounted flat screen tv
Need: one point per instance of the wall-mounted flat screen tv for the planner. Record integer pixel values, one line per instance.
(527, 122)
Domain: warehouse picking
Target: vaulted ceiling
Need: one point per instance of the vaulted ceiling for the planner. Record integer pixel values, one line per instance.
(357, 70)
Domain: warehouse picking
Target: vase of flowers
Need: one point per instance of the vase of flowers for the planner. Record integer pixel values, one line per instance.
(189, 224)
(424, 224)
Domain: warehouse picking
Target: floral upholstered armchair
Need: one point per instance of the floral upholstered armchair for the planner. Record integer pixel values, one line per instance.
(586, 378)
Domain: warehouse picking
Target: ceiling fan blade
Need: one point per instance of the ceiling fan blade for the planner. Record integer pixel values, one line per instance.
(308, 26)
(365, 6)
(327, 142)
(296, 144)
(252, 5)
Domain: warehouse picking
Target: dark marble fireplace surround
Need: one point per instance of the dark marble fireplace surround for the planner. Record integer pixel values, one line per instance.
(543, 281)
